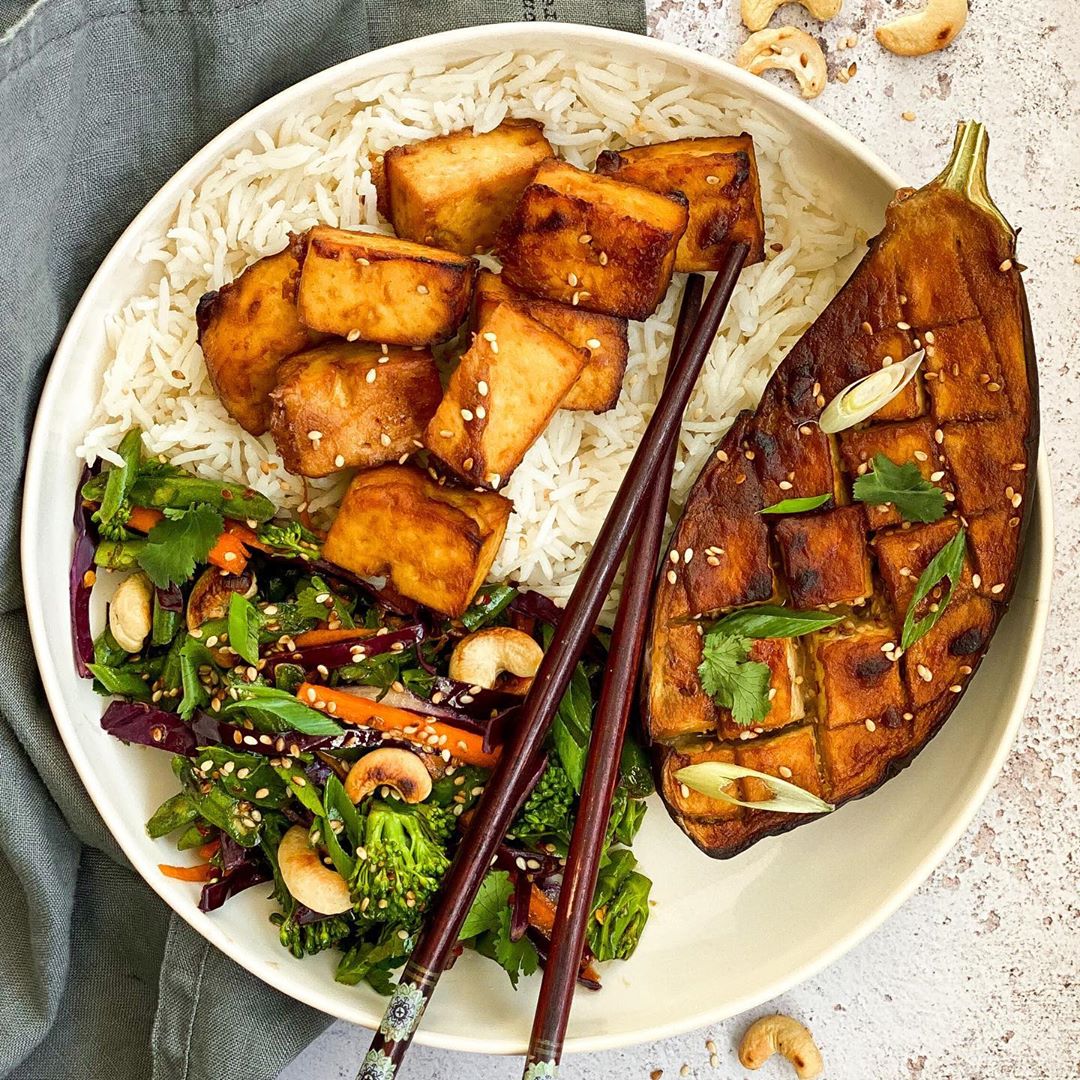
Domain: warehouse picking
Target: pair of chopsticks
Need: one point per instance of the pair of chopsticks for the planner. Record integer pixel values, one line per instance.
(507, 786)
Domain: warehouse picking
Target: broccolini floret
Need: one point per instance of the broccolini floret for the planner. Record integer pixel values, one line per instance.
(399, 867)
(311, 938)
(548, 811)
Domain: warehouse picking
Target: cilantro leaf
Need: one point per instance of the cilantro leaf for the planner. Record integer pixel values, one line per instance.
(178, 543)
(515, 957)
(492, 897)
(732, 679)
(904, 486)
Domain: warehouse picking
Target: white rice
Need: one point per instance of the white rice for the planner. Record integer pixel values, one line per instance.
(316, 168)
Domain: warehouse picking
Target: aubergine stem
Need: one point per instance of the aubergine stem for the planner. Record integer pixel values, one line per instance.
(966, 171)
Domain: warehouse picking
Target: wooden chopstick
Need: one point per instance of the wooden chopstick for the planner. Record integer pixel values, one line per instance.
(503, 791)
(609, 729)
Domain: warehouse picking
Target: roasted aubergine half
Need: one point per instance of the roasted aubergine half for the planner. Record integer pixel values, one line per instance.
(845, 555)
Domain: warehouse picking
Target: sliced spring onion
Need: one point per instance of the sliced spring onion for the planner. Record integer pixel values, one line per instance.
(712, 778)
(862, 398)
(771, 621)
(796, 506)
(947, 563)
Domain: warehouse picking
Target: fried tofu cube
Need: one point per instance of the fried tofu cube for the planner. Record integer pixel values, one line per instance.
(677, 702)
(858, 679)
(825, 557)
(602, 337)
(456, 190)
(345, 405)
(501, 396)
(379, 288)
(685, 800)
(592, 242)
(781, 656)
(992, 544)
(719, 176)
(963, 375)
(858, 758)
(435, 543)
(721, 542)
(943, 658)
(246, 328)
(904, 553)
(791, 756)
(988, 463)
(911, 441)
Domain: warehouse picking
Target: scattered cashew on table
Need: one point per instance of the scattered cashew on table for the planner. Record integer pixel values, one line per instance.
(756, 14)
(781, 1035)
(788, 48)
(925, 31)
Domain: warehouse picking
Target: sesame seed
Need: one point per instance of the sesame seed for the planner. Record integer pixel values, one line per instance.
(363, 262)
(422, 290)
(673, 555)
(993, 388)
(603, 258)
(466, 414)
(688, 554)
(571, 279)
(371, 375)
(352, 335)
(593, 343)
(939, 436)
(903, 326)
(672, 577)
(385, 349)
(938, 475)
(870, 725)
(575, 299)
(494, 478)
(976, 580)
(383, 438)
(445, 433)
(262, 793)
(314, 436)
(684, 791)
(721, 456)
(1006, 265)
(584, 238)
(712, 560)
(482, 388)
(925, 673)
(998, 588)
(1016, 500)
(481, 412)
(784, 485)
(785, 772)
(467, 463)
(909, 116)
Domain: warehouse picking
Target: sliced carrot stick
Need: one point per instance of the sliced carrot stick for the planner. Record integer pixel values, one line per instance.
(309, 638)
(208, 850)
(466, 746)
(541, 911)
(229, 553)
(143, 519)
(202, 872)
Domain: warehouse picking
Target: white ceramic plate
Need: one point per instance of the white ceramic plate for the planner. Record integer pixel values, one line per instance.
(724, 936)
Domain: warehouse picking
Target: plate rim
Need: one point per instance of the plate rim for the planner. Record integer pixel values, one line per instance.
(33, 487)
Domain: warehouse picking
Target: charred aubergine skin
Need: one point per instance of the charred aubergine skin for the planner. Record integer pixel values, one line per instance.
(849, 709)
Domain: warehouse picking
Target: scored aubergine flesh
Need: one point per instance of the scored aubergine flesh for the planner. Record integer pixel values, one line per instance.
(849, 708)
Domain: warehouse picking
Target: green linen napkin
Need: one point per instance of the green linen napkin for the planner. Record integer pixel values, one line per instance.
(100, 102)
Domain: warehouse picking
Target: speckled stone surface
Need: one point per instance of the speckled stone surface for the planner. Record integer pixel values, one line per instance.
(977, 977)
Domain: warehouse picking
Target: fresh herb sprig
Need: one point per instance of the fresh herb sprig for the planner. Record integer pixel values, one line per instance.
(904, 486)
(797, 506)
(732, 679)
(178, 543)
(947, 563)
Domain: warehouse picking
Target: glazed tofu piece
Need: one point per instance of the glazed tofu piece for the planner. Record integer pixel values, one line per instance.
(719, 176)
(858, 678)
(781, 656)
(988, 463)
(246, 329)
(435, 543)
(345, 405)
(592, 242)
(602, 337)
(791, 756)
(501, 396)
(825, 558)
(455, 191)
(910, 441)
(719, 555)
(371, 287)
(858, 756)
(942, 659)
(792, 456)
(678, 705)
(686, 800)
(904, 553)
(963, 375)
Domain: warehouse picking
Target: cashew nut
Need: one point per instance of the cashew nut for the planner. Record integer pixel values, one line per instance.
(480, 658)
(210, 595)
(789, 48)
(316, 886)
(924, 31)
(391, 767)
(781, 1034)
(757, 13)
(130, 612)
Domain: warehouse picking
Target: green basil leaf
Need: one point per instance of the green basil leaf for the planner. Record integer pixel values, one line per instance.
(279, 711)
(947, 563)
(123, 681)
(244, 625)
(771, 621)
(797, 506)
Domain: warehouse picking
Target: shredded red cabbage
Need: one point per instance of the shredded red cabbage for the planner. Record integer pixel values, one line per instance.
(82, 561)
(339, 653)
(170, 599)
(137, 722)
(241, 877)
(535, 605)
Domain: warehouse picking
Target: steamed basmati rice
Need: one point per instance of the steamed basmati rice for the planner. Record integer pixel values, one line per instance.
(316, 168)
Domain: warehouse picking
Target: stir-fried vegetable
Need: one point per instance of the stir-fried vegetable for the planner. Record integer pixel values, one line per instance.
(271, 675)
